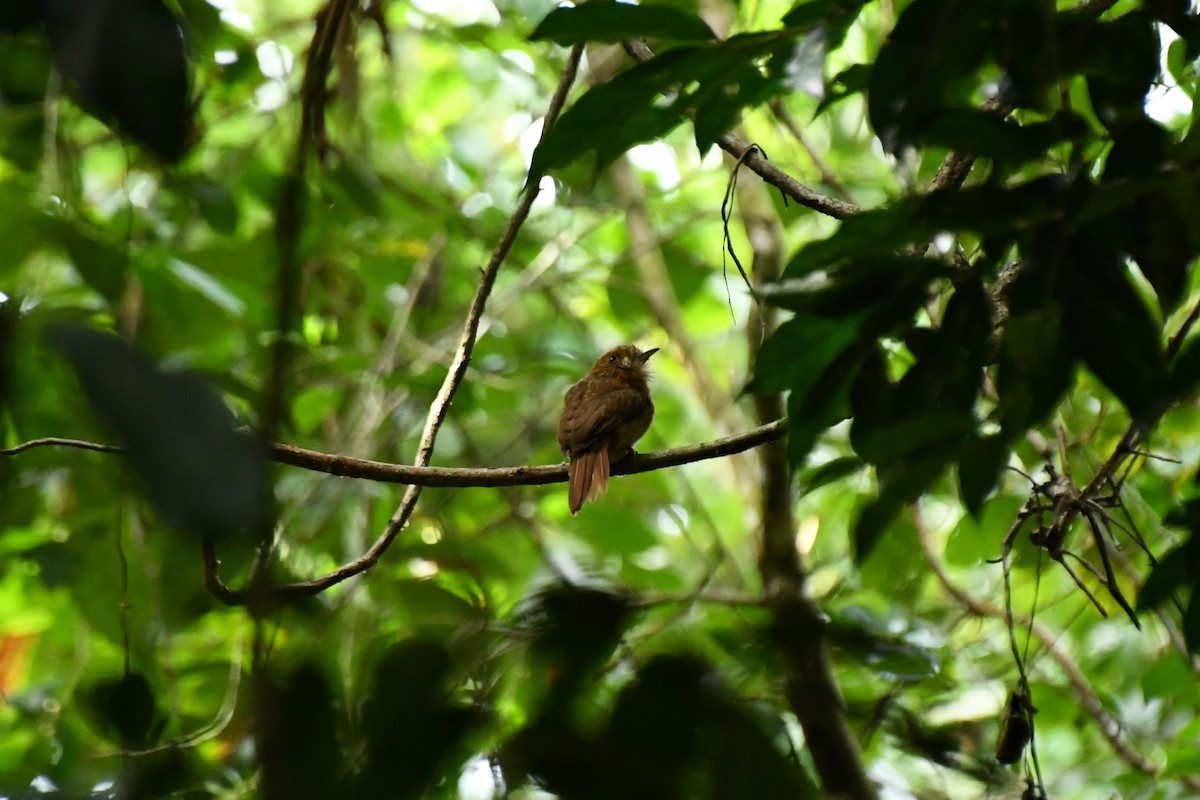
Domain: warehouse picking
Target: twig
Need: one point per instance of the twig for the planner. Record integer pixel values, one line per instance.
(1089, 700)
(405, 474)
(830, 206)
(810, 687)
(728, 597)
(458, 366)
(58, 441)
(827, 176)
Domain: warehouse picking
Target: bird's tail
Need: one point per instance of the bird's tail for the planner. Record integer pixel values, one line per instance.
(588, 477)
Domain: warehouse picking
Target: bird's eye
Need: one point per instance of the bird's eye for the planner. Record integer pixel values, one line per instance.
(612, 359)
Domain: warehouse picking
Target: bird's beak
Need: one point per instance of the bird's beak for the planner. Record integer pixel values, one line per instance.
(644, 356)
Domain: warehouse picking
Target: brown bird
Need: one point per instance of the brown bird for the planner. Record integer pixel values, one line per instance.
(603, 416)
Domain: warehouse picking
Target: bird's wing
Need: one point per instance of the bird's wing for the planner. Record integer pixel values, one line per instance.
(585, 423)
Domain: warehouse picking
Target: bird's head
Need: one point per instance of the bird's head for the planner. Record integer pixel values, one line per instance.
(625, 357)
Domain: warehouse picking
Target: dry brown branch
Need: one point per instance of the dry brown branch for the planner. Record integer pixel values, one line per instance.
(458, 366)
(350, 467)
(810, 686)
(830, 206)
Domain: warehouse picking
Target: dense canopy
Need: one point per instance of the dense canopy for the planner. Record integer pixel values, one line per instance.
(290, 295)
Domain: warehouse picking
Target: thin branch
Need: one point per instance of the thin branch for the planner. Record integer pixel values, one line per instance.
(540, 475)
(1089, 700)
(58, 441)
(727, 597)
(827, 175)
(458, 366)
(830, 206)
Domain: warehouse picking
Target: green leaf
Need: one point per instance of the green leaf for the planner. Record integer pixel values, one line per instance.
(831, 471)
(602, 123)
(1035, 367)
(101, 265)
(976, 539)
(898, 487)
(203, 474)
(850, 81)
(612, 22)
(1111, 329)
(862, 634)
(796, 353)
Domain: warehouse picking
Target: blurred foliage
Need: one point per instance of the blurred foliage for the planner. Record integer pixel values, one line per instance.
(939, 350)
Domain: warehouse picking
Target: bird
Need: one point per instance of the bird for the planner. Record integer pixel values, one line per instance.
(604, 414)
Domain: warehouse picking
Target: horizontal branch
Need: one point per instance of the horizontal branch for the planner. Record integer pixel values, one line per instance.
(364, 469)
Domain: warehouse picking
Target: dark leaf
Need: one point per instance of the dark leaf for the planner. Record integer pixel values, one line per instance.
(900, 485)
(572, 630)
(927, 63)
(742, 758)
(1035, 366)
(1026, 49)
(719, 104)
(296, 736)
(413, 728)
(1163, 242)
(796, 353)
(830, 472)
(612, 117)
(654, 730)
(215, 203)
(1179, 569)
(1185, 370)
(1120, 58)
(980, 462)
(201, 472)
(1191, 622)
(985, 134)
(16, 17)
(833, 16)
(101, 265)
(860, 633)
(125, 60)
(1111, 328)
(612, 22)
(850, 81)
(811, 415)
(910, 434)
(126, 710)
(859, 286)
(985, 210)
